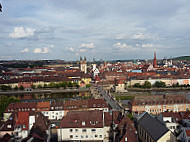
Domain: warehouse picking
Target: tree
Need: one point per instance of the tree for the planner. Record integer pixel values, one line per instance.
(88, 85)
(21, 87)
(70, 84)
(16, 88)
(5, 87)
(160, 84)
(147, 85)
(33, 86)
(137, 85)
(45, 86)
(39, 86)
(4, 103)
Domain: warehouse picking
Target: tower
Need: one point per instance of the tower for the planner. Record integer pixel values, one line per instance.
(155, 60)
(83, 65)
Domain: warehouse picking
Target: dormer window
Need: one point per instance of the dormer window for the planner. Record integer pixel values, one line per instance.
(83, 123)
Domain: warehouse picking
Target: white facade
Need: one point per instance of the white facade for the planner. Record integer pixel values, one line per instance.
(66, 134)
(54, 115)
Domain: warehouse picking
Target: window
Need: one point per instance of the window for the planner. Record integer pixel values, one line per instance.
(83, 130)
(83, 123)
(8, 126)
(24, 126)
(100, 136)
(76, 130)
(71, 130)
(93, 130)
(82, 136)
(76, 136)
(71, 136)
(86, 136)
(96, 136)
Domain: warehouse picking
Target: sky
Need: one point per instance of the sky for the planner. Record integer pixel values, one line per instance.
(100, 29)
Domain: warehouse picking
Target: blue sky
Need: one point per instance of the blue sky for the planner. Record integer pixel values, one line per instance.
(107, 29)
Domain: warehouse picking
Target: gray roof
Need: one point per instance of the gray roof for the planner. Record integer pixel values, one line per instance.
(152, 126)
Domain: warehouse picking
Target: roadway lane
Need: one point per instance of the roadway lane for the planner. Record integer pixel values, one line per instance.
(109, 99)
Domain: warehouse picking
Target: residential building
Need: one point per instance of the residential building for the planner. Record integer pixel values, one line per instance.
(156, 104)
(152, 130)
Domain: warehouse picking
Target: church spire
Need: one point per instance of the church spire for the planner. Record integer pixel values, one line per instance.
(155, 60)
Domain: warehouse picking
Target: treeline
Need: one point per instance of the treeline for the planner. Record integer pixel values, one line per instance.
(63, 84)
(4, 103)
(157, 84)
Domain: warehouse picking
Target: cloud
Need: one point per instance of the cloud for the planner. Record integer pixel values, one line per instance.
(121, 46)
(82, 50)
(20, 32)
(43, 50)
(25, 50)
(148, 45)
(87, 45)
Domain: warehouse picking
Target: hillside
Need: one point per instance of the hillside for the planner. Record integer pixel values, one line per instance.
(187, 58)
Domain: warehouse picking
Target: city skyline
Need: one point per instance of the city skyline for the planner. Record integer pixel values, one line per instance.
(96, 29)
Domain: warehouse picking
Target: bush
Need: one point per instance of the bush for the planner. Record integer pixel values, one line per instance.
(21, 87)
(5, 87)
(146, 85)
(160, 84)
(137, 85)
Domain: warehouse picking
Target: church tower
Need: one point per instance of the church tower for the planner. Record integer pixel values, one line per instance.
(83, 65)
(155, 60)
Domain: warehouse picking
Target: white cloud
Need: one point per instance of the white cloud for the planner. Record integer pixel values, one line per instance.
(37, 50)
(43, 50)
(82, 50)
(20, 32)
(121, 46)
(25, 50)
(148, 45)
(87, 45)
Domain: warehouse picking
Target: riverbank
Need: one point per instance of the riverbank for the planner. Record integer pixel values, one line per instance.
(159, 89)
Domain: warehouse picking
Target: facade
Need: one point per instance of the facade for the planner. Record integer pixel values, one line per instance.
(160, 103)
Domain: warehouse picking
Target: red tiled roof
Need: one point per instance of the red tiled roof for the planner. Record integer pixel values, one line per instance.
(82, 119)
(23, 119)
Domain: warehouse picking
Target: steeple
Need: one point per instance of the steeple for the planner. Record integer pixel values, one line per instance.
(155, 60)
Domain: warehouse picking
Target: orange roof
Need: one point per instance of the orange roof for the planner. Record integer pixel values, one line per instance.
(43, 105)
(23, 119)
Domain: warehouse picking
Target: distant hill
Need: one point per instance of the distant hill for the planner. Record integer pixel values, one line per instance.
(187, 58)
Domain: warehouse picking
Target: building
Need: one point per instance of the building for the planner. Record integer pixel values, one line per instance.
(82, 126)
(160, 103)
(155, 61)
(83, 65)
(152, 130)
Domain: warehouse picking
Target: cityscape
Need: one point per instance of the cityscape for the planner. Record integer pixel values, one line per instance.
(94, 71)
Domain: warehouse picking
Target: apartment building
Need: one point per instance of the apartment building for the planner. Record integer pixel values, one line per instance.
(82, 126)
(160, 103)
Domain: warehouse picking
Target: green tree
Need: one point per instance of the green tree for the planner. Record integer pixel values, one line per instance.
(16, 88)
(5, 87)
(4, 103)
(21, 87)
(33, 86)
(160, 84)
(70, 84)
(45, 85)
(146, 85)
(137, 85)
(88, 85)
(39, 86)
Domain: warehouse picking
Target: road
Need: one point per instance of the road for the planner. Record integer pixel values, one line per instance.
(43, 91)
(114, 105)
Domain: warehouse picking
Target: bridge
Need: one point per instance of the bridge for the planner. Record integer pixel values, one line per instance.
(114, 105)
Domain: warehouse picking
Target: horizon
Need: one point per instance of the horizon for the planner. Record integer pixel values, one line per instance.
(120, 30)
